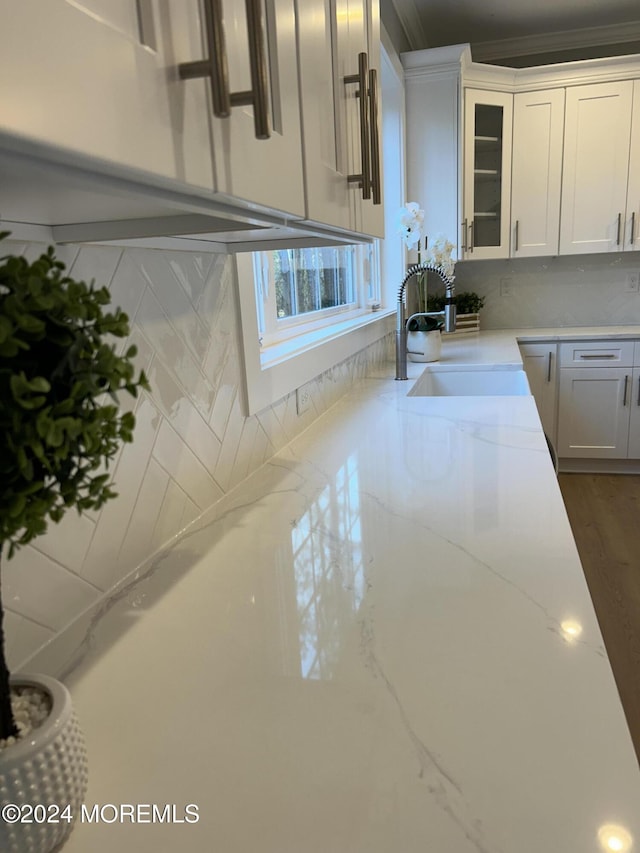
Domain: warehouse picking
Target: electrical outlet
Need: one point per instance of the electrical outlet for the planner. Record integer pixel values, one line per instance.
(303, 400)
(633, 282)
(505, 286)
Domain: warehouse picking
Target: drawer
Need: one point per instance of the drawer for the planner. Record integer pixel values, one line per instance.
(597, 354)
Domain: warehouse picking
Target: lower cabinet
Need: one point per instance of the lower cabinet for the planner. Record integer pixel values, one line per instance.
(598, 399)
(594, 412)
(539, 362)
(588, 398)
(634, 415)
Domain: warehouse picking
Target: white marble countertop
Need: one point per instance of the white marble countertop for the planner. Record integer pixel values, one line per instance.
(382, 641)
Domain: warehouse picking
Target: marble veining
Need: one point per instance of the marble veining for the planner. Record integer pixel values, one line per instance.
(382, 640)
(193, 442)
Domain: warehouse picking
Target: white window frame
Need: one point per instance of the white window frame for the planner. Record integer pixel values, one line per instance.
(275, 331)
(273, 372)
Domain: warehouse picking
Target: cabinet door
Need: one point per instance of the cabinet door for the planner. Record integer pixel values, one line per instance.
(359, 32)
(90, 77)
(487, 174)
(331, 36)
(324, 112)
(632, 218)
(593, 412)
(634, 420)
(536, 177)
(264, 171)
(595, 169)
(539, 362)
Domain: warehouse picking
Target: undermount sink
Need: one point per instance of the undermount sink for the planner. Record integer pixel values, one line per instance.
(470, 383)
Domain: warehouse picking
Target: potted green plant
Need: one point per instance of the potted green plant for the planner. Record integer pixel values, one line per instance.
(468, 305)
(60, 381)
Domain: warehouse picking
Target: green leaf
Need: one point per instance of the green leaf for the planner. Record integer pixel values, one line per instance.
(6, 328)
(58, 368)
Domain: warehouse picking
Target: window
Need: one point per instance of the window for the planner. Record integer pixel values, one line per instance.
(298, 290)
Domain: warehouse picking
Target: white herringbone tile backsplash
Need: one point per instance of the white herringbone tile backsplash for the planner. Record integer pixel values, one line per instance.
(192, 442)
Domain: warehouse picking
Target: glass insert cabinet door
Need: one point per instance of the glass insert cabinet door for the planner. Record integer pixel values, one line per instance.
(487, 174)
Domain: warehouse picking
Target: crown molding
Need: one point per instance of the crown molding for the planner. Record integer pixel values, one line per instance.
(436, 60)
(562, 74)
(555, 41)
(410, 22)
(456, 60)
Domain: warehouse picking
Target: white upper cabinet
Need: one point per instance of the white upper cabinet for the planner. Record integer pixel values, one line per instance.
(134, 84)
(324, 112)
(596, 165)
(339, 71)
(91, 78)
(536, 176)
(487, 174)
(548, 163)
(176, 107)
(249, 97)
(265, 171)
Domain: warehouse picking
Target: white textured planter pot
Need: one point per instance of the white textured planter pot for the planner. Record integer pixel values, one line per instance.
(47, 770)
(424, 346)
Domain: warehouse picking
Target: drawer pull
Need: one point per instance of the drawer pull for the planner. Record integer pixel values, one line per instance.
(599, 356)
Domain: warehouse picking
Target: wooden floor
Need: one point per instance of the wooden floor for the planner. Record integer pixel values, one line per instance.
(604, 511)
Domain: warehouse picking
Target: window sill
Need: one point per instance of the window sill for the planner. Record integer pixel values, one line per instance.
(277, 353)
(279, 369)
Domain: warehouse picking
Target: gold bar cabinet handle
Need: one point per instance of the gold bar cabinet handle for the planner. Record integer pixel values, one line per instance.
(215, 67)
(361, 78)
(259, 94)
(376, 183)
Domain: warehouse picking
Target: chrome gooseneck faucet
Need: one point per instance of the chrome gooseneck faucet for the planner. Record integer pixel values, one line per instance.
(449, 313)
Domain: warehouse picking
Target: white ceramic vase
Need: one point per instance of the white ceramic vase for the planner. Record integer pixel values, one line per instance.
(42, 774)
(424, 346)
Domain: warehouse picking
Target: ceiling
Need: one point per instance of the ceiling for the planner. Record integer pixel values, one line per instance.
(519, 32)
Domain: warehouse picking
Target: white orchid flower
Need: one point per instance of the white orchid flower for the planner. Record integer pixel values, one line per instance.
(439, 255)
(410, 222)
